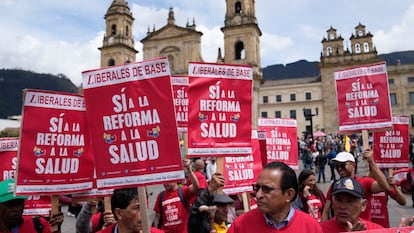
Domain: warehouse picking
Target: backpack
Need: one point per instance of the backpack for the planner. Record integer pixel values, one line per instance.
(182, 199)
(37, 224)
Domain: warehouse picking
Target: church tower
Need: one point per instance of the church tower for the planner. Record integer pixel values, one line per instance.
(242, 42)
(118, 43)
(334, 57)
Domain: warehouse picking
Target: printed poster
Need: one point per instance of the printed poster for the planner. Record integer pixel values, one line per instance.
(242, 172)
(8, 157)
(281, 140)
(54, 155)
(363, 98)
(133, 126)
(220, 116)
(391, 146)
(180, 94)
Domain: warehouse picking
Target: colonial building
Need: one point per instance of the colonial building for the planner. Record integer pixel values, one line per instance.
(287, 98)
(182, 45)
(118, 43)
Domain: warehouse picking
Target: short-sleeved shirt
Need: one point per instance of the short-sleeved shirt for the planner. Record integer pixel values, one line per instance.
(379, 210)
(175, 214)
(366, 183)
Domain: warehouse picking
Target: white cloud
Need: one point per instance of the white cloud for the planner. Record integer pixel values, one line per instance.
(399, 37)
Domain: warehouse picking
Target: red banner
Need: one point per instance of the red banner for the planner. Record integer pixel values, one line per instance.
(8, 157)
(220, 117)
(132, 122)
(54, 155)
(363, 98)
(37, 205)
(241, 173)
(391, 230)
(180, 94)
(281, 140)
(261, 136)
(391, 146)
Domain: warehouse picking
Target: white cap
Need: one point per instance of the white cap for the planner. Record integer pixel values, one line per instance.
(343, 157)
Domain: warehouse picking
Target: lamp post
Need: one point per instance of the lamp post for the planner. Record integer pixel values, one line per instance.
(307, 112)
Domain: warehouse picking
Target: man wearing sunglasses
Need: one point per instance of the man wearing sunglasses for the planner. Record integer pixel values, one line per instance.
(345, 165)
(275, 189)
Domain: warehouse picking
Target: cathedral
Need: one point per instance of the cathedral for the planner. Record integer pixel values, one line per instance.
(241, 35)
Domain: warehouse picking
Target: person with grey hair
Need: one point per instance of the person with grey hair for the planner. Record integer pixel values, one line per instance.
(348, 202)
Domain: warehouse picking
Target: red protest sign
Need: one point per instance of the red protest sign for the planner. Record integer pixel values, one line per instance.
(242, 172)
(8, 156)
(363, 98)
(132, 123)
(281, 140)
(180, 94)
(54, 155)
(37, 205)
(391, 230)
(391, 146)
(220, 116)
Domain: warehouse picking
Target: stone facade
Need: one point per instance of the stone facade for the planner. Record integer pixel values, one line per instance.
(118, 43)
(335, 57)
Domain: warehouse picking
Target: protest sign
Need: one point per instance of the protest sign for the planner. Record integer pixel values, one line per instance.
(220, 116)
(281, 140)
(37, 205)
(363, 98)
(8, 156)
(180, 94)
(54, 151)
(242, 172)
(391, 146)
(132, 124)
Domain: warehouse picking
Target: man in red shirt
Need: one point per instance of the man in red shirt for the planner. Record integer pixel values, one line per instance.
(11, 212)
(174, 212)
(348, 202)
(201, 177)
(126, 209)
(345, 165)
(275, 189)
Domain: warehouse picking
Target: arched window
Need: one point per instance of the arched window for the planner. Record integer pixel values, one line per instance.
(357, 48)
(239, 51)
(113, 29)
(127, 31)
(238, 7)
(366, 47)
(328, 51)
(171, 61)
(127, 62)
(111, 62)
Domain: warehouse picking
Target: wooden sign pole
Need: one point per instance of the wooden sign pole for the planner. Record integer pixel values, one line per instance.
(142, 195)
(55, 210)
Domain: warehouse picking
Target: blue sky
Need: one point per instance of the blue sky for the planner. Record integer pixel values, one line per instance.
(57, 36)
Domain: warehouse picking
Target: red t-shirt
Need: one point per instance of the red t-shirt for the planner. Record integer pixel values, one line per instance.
(111, 228)
(331, 226)
(175, 214)
(366, 183)
(202, 184)
(314, 207)
(28, 227)
(254, 221)
(379, 210)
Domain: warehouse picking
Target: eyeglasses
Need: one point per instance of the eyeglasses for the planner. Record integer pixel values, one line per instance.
(340, 165)
(265, 188)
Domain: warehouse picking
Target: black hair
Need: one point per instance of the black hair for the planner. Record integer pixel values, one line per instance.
(303, 175)
(288, 179)
(121, 198)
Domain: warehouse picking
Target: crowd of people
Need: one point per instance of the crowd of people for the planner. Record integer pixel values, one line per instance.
(281, 201)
